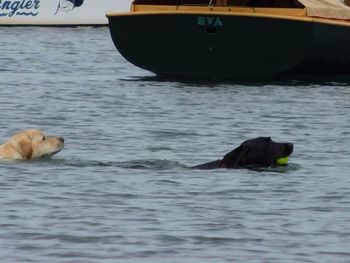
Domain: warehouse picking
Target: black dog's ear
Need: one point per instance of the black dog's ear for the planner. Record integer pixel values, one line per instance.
(232, 159)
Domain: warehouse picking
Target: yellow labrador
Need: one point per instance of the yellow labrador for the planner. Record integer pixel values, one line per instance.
(30, 144)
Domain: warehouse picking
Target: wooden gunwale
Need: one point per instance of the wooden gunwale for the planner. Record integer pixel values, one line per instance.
(298, 14)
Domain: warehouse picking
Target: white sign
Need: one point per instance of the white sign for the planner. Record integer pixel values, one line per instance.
(59, 12)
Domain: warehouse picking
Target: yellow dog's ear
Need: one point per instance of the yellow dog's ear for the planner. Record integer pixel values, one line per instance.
(26, 149)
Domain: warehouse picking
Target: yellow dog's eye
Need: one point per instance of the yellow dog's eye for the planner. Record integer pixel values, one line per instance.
(44, 138)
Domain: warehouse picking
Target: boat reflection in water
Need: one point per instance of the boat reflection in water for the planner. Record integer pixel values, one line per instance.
(230, 39)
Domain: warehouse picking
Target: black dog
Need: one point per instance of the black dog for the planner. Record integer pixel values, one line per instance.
(254, 153)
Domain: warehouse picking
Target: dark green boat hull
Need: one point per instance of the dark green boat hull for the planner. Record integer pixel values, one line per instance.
(230, 47)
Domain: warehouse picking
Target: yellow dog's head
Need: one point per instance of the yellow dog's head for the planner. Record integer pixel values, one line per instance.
(31, 144)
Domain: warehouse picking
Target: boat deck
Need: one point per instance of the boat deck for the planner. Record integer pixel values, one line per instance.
(229, 9)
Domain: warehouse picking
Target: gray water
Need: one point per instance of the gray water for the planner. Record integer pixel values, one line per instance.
(121, 191)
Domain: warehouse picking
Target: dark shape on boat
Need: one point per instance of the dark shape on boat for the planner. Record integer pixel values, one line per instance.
(232, 39)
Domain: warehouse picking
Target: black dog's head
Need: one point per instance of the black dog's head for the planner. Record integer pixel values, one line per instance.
(258, 152)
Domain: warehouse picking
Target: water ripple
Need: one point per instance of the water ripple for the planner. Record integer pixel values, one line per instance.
(121, 190)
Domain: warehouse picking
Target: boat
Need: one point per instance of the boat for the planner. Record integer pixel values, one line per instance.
(233, 39)
(59, 12)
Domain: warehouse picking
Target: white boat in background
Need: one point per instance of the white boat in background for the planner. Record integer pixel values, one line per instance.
(59, 12)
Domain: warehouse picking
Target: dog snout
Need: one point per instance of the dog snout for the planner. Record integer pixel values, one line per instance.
(61, 139)
(289, 148)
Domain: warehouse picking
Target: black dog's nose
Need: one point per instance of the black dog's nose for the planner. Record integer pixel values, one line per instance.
(289, 147)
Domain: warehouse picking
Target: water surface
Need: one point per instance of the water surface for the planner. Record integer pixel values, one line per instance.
(121, 191)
